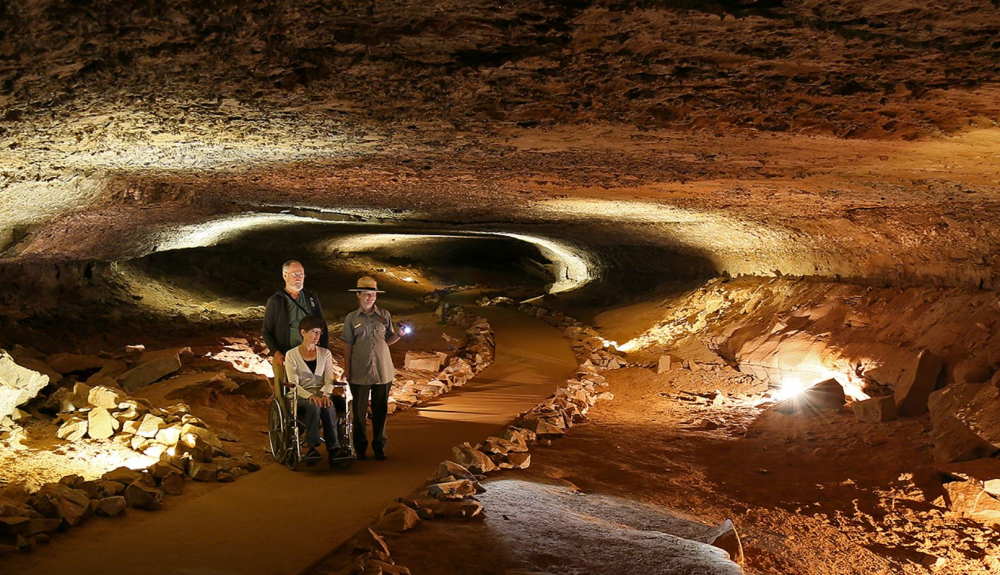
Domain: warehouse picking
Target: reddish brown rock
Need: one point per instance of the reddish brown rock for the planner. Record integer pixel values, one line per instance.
(917, 383)
(875, 410)
(57, 501)
(111, 506)
(143, 497)
(397, 518)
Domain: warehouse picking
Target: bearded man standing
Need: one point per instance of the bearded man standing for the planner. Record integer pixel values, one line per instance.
(284, 310)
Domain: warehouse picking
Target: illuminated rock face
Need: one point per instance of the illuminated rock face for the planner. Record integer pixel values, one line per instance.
(17, 384)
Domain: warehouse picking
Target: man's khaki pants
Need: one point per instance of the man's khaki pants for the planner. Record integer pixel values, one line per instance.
(279, 379)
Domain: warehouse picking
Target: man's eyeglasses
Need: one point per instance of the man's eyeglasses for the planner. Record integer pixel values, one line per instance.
(298, 275)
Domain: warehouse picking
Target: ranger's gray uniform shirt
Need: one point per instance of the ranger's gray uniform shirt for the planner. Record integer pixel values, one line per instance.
(371, 363)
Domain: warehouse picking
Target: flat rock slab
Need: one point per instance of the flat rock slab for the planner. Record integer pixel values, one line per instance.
(571, 533)
(153, 367)
(424, 360)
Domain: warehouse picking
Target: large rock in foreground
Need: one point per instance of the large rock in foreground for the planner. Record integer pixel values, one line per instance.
(958, 413)
(17, 384)
(917, 384)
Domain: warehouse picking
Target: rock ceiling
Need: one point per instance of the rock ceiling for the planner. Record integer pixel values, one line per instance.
(841, 138)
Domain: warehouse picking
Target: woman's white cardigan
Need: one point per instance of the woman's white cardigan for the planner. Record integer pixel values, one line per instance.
(307, 383)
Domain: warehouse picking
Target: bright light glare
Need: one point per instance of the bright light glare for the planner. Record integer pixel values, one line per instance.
(409, 279)
(794, 385)
(790, 387)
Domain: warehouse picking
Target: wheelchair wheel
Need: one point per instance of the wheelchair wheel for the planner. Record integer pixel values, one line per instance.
(280, 437)
(277, 435)
(292, 459)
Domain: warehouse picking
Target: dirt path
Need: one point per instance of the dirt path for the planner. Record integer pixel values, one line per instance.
(276, 521)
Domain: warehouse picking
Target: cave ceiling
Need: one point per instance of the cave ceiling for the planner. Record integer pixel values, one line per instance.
(847, 138)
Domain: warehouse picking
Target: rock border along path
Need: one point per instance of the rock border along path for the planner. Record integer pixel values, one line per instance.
(277, 521)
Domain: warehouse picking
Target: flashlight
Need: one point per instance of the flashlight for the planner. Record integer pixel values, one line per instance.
(407, 330)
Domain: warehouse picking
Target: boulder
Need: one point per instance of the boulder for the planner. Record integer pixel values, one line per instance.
(368, 540)
(70, 363)
(169, 435)
(542, 426)
(969, 499)
(100, 489)
(13, 525)
(826, 395)
(973, 370)
(472, 459)
(122, 475)
(952, 410)
(105, 397)
(518, 435)
(983, 474)
(150, 426)
(111, 506)
(875, 410)
(17, 384)
(38, 365)
(449, 471)
(153, 367)
(397, 518)
(982, 413)
(452, 490)
(917, 383)
(57, 501)
(100, 424)
(73, 429)
(202, 433)
(141, 496)
(37, 526)
(727, 539)
(424, 360)
(500, 446)
(172, 483)
(131, 427)
(201, 471)
(131, 410)
(519, 460)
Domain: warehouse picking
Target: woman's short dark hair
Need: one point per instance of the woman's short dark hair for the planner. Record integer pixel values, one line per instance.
(311, 322)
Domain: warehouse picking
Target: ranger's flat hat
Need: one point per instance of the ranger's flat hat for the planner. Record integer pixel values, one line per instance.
(367, 284)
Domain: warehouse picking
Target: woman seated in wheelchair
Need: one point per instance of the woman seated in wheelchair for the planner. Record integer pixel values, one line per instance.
(309, 368)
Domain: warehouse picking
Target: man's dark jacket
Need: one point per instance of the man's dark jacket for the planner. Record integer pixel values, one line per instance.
(276, 334)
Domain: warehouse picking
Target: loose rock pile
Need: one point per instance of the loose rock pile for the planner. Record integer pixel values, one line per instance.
(422, 377)
(182, 445)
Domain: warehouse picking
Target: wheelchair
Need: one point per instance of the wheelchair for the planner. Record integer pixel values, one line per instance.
(286, 434)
